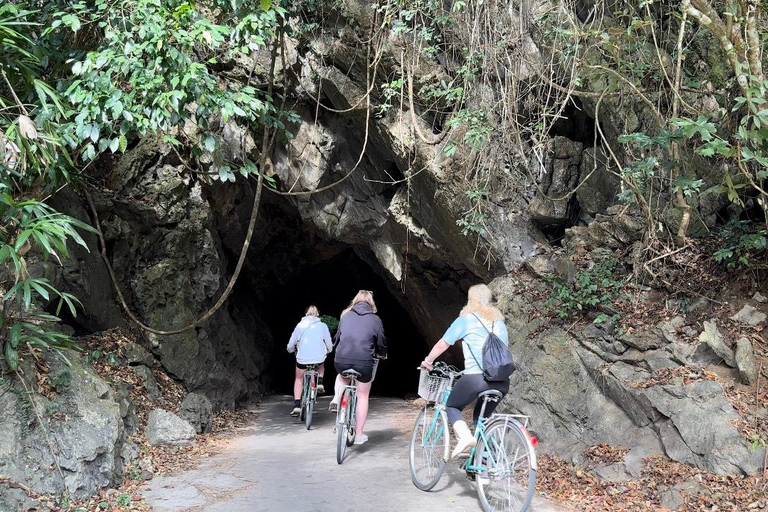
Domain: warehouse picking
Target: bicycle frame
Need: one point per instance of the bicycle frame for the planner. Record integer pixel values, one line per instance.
(350, 395)
(309, 385)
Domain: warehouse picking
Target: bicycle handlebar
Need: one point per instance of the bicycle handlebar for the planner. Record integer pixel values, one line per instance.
(441, 369)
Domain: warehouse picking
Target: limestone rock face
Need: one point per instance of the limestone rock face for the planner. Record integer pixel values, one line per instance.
(165, 250)
(555, 208)
(586, 386)
(86, 436)
(165, 428)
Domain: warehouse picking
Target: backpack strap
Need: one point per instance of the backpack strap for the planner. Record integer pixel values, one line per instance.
(471, 352)
(482, 324)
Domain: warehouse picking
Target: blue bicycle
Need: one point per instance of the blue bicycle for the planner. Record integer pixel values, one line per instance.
(502, 463)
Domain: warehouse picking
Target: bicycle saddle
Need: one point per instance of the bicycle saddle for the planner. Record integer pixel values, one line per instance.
(351, 373)
(491, 395)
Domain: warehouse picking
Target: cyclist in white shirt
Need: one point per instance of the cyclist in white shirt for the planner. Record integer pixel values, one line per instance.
(311, 340)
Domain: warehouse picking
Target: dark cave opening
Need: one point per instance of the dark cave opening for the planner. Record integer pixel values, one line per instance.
(330, 285)
(575, 124)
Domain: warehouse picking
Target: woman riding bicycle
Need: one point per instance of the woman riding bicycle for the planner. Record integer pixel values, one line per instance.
(473, 324)
(313, 339)
(360, 339)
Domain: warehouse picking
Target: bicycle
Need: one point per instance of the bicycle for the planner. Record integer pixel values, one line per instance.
(503, 461)
(345, 416)
(308, 394)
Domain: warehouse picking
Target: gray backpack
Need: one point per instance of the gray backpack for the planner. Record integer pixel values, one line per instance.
(498, 364)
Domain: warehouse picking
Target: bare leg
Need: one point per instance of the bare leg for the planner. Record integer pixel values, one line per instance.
(338, 388)
(361, 410)
(298, 383)
(321, 370)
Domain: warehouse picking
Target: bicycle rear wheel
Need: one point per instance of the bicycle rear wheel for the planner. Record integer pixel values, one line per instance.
(428, 454)
(509, 478)
(342, 419)
(304, 397)
(351, 418)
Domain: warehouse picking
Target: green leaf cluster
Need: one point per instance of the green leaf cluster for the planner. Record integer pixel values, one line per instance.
(591, 289)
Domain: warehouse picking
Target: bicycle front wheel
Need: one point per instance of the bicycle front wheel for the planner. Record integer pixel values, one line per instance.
(428, 453)
(507, 482)
(308, 410)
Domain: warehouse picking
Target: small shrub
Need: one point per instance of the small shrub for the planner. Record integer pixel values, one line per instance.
(590, 289)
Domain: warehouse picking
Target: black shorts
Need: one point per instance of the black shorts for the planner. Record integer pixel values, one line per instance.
(365, 371)
(304, 366)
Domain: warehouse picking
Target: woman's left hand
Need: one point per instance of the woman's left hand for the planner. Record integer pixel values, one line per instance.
(427, 365)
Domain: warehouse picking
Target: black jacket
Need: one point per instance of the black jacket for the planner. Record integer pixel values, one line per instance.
(360, 336)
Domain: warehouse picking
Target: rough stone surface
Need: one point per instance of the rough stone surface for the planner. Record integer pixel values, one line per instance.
(165, 428)
(745, 361)
(714, 339)
(581, 391)
(197, 409)
(84, 274)
(150, 383)
(599, 186)
(759, 297)
(698, 428)
(12, 499)
(749, 315)
(87, 436)
(166, 251)
(670, 327)
(675, 497)
(561, 175)
(136, 354)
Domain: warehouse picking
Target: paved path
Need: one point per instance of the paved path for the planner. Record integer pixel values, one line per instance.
(278, 465)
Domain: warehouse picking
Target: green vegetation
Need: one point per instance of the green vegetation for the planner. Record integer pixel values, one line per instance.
(81, 79)
(331, 321)
(592, 289)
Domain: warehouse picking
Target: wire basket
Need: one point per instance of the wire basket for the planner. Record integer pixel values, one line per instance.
(432, 387)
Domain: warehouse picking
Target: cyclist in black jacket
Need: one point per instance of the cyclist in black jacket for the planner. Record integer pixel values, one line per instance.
(360, 343)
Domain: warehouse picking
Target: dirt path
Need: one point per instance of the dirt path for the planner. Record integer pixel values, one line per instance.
(279, 465)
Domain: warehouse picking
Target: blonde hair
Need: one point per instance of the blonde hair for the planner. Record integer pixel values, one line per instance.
(479, 302)
(312, 311)
(362, 296)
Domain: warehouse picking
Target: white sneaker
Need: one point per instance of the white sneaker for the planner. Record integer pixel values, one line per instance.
(361, 439)
(296, 411)
(320, 389)
(333, 406)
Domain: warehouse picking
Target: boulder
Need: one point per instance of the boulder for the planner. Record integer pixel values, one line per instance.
(696, 427)
(745, 361)
(136, 354)
(197, 409)
(645, 340)
(714, 339)
(87, 434)
(150, 383)
(750, 316)
(165, 428)
(669, 328)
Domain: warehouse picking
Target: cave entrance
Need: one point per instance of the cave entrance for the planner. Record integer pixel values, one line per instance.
(330, 285)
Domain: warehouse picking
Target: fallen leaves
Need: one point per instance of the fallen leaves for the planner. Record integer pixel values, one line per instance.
(579, 490)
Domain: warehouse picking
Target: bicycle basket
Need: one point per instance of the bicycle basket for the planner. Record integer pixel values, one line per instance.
(431, 387)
